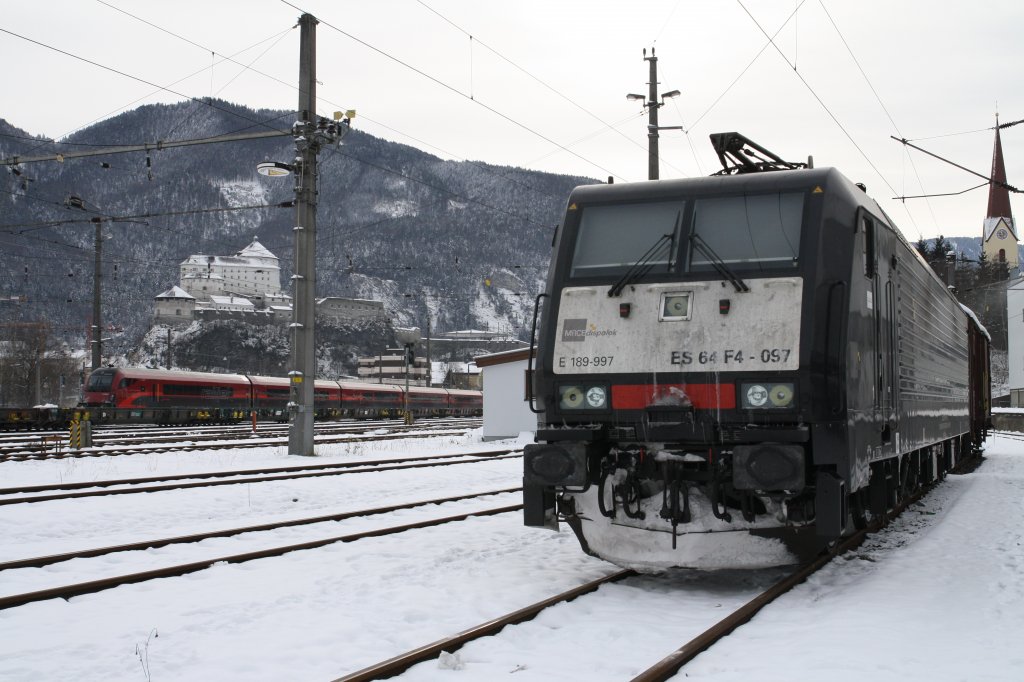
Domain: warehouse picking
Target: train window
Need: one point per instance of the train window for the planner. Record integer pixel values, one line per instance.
(755, 231)
(869, 246)
(196, 389)
(611, 239)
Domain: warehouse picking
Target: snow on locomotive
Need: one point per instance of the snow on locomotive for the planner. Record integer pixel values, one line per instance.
(730, 365)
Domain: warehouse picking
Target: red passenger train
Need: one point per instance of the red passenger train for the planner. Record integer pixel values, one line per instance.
(162, 396)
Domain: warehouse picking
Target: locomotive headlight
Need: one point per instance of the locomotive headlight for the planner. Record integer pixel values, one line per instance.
(767, 395)
(756, 395)
(675, 306)
(781, 395)
(570, 397)
(582, 397)
(597, 397)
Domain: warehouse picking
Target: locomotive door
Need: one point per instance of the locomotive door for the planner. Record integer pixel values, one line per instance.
(883, 273)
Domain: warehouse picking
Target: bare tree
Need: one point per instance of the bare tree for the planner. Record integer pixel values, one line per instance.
(30, 372)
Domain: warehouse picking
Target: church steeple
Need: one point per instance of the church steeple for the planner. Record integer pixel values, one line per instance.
(999, 240)
(998, 196)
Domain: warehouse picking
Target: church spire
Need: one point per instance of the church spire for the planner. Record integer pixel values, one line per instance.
(999, 241)
(998, 196)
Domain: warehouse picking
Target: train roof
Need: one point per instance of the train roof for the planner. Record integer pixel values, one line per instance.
(354, 385)
(285, 381)
(713, 184)
(174, 375)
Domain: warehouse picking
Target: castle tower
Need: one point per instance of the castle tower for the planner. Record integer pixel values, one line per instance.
(999, 240)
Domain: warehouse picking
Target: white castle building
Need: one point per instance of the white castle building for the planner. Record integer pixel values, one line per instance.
(252, 273)
(246, 285)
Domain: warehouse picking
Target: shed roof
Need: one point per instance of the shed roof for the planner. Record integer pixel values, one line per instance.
(514, 355)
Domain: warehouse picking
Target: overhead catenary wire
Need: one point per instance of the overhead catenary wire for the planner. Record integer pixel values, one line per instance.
(245, 68)
(319, 98)
(476, 39)
(458, 92)
(885, 109)
(824, 106)
(125, 74)
(138, 217)
(58, 139)
(736, 80)
(967, 132)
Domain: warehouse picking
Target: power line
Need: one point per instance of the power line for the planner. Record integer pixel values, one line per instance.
(751, 63)
(137, 218)
(538, 80)
(127, 75)
(878, 98)
(967, 132)
(820, 101)
(455, 90)
(123, 107)
(291, 85)
(158, 145)
(245, 68)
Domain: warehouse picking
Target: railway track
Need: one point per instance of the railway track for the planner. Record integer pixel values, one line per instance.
(40, 561)
(101, 431)
(219, 443)
(98, 585)
(47, 493)
(119, 435)
(275, 430)
(671, 664)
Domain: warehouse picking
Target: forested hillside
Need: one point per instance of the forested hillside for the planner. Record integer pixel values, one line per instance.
(468, 241)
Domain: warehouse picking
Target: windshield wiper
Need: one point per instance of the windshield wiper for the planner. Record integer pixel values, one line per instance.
(643, 264)
(719, 264)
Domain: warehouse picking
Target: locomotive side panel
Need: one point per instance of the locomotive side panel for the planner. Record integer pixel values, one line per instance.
(933, 361)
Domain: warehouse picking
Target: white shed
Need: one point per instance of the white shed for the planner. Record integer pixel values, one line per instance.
(506, 410)
(1015, 340)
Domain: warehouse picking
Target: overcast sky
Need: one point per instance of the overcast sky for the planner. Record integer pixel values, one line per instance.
(542, 83)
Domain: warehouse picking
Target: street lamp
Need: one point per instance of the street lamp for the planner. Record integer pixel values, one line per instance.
(651, 103)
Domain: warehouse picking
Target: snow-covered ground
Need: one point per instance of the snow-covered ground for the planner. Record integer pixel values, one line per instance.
(937, 596)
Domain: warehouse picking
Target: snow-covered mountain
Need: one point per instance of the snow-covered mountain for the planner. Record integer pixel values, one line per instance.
(468, 242)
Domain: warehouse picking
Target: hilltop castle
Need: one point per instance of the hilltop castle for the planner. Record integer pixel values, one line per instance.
(246, 286)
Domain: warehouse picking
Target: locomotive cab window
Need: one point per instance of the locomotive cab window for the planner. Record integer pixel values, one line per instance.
(756, 232)
(100, 381)
(613, 239)
(870, 263)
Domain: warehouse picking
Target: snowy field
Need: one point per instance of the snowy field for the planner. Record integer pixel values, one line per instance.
(937, 596)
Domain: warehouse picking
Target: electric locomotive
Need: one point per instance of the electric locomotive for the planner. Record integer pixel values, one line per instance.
(728, 365)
